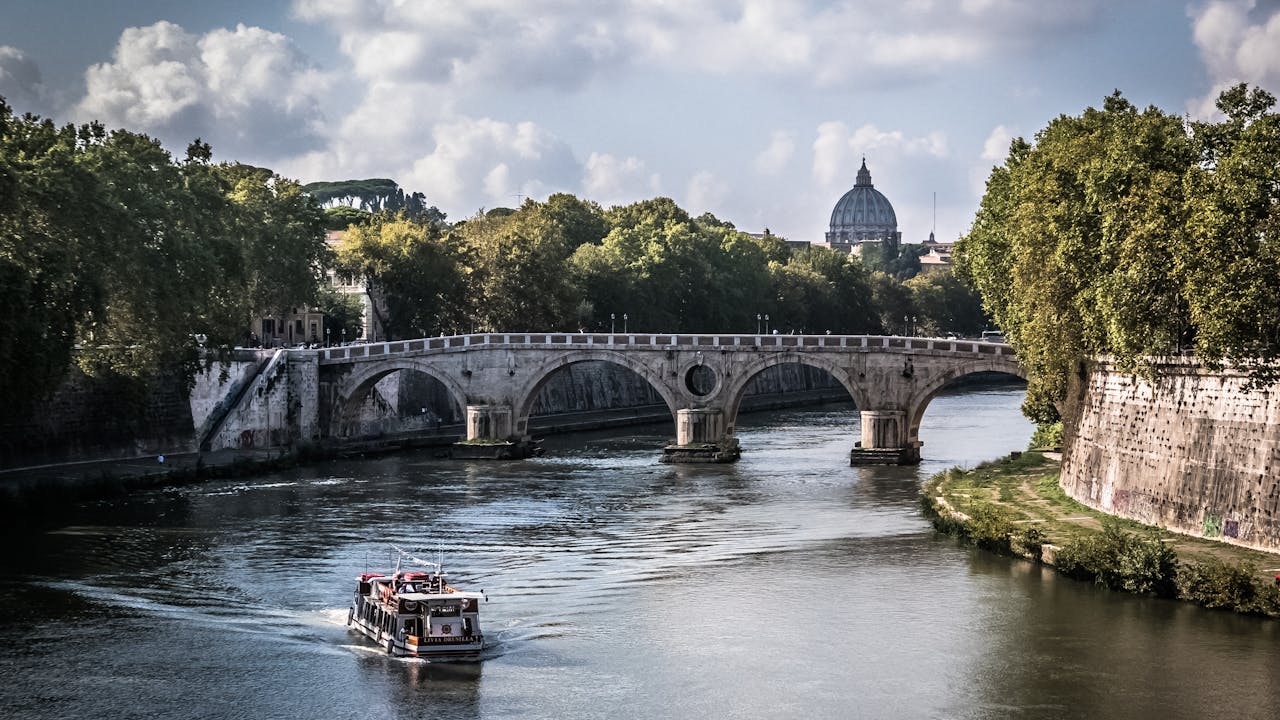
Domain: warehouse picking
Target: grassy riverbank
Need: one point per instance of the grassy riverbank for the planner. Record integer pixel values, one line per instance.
(1014, 506)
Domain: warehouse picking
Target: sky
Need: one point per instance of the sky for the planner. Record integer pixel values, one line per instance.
(759, 111)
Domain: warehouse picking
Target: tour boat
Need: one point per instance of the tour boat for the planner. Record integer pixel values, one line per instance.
(418, 614)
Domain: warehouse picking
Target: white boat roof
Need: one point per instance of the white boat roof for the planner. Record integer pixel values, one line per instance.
(423, 597)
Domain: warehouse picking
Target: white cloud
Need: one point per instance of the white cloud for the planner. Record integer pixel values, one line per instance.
(773, 159)
(609, 180)
(1237, 44)
(547, 42)
(837, 152)
(481, 161)
(705, 193)
(20, 83)
(996, 146)
(245, 90)
(567, 43)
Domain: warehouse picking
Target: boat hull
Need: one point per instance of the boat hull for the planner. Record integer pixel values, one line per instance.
(461, 650)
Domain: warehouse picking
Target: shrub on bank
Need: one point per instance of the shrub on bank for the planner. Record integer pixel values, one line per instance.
(1133, 562)
(1047, 435)
(1229, 586)
(990, 528)
(1115, 558)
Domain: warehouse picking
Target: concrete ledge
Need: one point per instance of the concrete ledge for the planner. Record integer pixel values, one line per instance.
(494, 450)
(884, 456)
(725, 451)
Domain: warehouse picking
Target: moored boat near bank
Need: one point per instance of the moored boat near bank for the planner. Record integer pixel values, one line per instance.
(418, 614)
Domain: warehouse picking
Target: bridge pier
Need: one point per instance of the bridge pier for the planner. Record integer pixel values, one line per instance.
(490, 436)
(701, 438)
(884, 440)
(488, 423)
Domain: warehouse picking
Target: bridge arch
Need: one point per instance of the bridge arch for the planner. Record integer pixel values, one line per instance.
(921, 397)
(736, 385)
(356, 386)
(527, 395)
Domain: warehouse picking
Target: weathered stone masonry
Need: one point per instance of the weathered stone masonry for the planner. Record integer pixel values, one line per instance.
(1193, 451)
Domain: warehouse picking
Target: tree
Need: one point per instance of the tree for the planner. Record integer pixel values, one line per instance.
(343, 217)
(672, 273)
(1073, 247)
(944, 304)
(373, 195)
(413, 268)
(518, 278)
(1228, 267)
(280, 234)
(838, 289)
(343, 314)
(173, 258)
(50, 252)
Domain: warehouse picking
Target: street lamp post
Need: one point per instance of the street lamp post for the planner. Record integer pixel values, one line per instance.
(766, 324)
(326, 336)
(757, 323)
(611, 323)
(344, 336)
(624, 323)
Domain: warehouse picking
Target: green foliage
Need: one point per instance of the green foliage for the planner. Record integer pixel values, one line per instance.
(901, 262)
(942, 303)
(1133, 562)
(412, 268)
(517, 279)
(893, 303)
(373, 195)
(1046, 435)
(342, 311)
(1122, 233)
(1230, 586)
(110, 245)
(50, 250)
(990, 527)
(343, 216)
(1232, 289)
(671, 273)
(818, 290)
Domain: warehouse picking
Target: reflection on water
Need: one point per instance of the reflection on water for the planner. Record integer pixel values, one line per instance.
(786, 584)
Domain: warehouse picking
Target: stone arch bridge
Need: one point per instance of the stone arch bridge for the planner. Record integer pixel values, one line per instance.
(701, 378)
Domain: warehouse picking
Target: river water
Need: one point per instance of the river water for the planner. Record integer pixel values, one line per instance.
(786, 585)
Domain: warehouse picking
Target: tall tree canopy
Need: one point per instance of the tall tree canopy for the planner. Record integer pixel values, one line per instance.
(114, 255)
(416, 274)
(1127, 233)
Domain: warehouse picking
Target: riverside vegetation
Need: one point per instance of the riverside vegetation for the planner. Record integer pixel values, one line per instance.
(1015, 507)
(115, 256)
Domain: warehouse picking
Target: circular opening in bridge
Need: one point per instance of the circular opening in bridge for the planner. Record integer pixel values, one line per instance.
(700, 380)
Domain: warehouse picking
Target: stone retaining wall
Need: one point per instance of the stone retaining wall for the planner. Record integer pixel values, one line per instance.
(250, 402)
(1194, 451)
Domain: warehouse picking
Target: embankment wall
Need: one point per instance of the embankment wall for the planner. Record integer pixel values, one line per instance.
(1194, 451)
(255, 400)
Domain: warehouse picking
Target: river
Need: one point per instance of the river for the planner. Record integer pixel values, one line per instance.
(786, 585)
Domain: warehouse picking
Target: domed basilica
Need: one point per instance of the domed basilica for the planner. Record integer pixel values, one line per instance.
(863, 216)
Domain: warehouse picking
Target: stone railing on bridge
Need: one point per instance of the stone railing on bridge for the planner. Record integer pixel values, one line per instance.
(351, 352)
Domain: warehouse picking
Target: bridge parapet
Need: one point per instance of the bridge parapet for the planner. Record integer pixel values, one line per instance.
(648, 341)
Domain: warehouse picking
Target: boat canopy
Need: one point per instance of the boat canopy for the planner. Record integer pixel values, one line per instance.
(424, 597)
